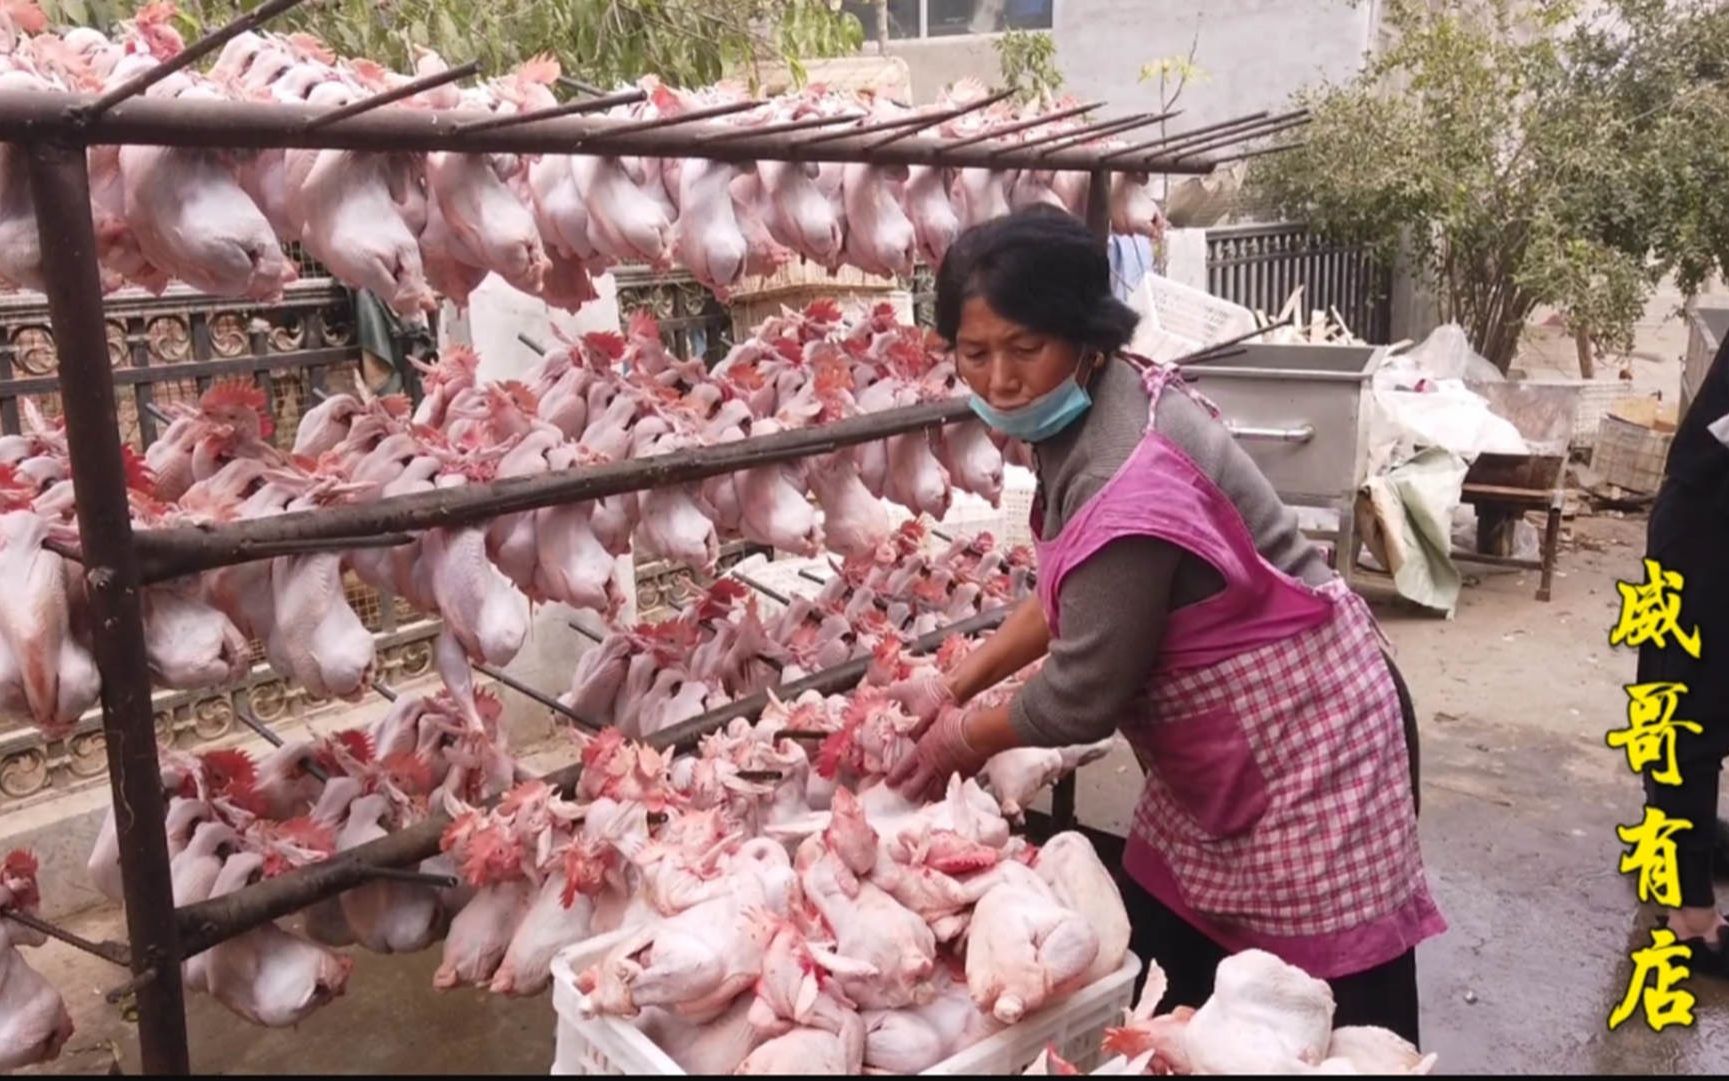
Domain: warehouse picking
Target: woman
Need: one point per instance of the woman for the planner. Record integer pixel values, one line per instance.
(1179, 603)
(1689, 534)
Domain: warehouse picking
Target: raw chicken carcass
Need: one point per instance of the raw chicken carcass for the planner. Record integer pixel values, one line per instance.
(1024, 948)
(34, 1024)
(879, 237)
(812, 1052)
(912, 1040)
(625, 223)
(192, 219)
(480, 934)
(189, 643)
(385, 916)
(1264, 1017)
(349, 203)
(1018, 775)
(935, 223)
(491, 228)
(46, 676)
(316, 638)
(267, 975)
(1070, 866)
(707, 235)
(799, 214)
(1369, 1050)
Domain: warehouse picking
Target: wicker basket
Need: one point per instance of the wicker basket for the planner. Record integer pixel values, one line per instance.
(1631, 449)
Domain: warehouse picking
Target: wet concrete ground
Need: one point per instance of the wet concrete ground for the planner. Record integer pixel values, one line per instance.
(1520, 801)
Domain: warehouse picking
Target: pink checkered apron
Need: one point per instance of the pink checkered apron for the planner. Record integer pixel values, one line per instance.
(1277, 812)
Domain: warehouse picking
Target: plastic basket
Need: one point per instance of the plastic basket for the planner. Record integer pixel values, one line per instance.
(1630, 455)
(1192, 313)
(610, 1046)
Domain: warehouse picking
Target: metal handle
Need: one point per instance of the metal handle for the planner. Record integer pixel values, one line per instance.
(1303, 434)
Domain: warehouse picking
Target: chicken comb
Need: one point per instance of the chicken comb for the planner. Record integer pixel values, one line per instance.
(356, 742)
(26, 15)
(608, 344)
(369, 73)
(642, 324)
(519, 395)
(460, 359)
(21, 863)
(522, 795)
(601, 747)
(492, 856)
(311, 47)
(409, 772)
(836, 751)
(790, 349)
(825, 310)
(229, 771)
(543, 69)
(139, 476)
(395, 405)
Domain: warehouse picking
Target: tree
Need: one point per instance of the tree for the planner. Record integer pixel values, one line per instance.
(685, 42)
(1528, 153)
(1028, 59)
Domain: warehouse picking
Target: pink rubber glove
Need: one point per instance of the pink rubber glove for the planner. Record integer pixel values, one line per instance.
(923, 697)
(942, 751)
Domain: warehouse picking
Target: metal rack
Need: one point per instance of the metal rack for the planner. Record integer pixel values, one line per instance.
(54, 130)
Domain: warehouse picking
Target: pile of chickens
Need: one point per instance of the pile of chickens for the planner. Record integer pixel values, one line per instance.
(215, 463)
(412, 227)
(1264, 1017)
(34, 1024)
(761, 935)
(644, 837)
(653, 676)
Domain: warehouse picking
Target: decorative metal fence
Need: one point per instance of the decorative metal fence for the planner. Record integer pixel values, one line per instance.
(1259, 266)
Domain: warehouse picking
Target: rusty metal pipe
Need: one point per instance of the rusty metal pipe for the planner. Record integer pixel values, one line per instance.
(546, 700)
(1183, 137)
(1024, 125)
(115, 953)
(60, 185)
(941, 118)
(194, 52)
(1074, 139)
(396, 94)
(1260, 132)
(170, 553)
(777, 129)
(568, 108)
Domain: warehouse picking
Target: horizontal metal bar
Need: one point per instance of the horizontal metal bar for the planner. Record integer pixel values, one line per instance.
(112, 952)
(170, 553)
(772, 594)
(115, 996)
(242, 125)
(776, 129)
(1301, 434)
(569, 108)
(419, 878)
(196, 369)
(660, 123)
(250, 720)
(687, 734)
(395, 94)
(208, 923)
(584, 631)
(546, 700)
(938, 118)
(1260, 131)
(190, 55)
(1025, 125)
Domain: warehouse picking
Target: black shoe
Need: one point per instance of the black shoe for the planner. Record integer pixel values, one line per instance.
(1707, 959)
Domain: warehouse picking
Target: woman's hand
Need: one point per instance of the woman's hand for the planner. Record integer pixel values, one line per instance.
(957, 741)
(923, 697)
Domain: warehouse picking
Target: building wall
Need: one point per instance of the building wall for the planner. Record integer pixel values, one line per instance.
(1255, 53)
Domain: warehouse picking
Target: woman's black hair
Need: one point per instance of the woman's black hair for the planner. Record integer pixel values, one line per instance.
(1039, 267)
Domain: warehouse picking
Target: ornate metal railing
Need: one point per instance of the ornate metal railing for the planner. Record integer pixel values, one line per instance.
(1259, 266)
(693, 323)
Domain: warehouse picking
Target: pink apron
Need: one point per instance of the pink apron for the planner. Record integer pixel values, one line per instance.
(1277, 812)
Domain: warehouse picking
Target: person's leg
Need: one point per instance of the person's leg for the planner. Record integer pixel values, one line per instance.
(1699, 760)
(1384, 996)
(1159, 936)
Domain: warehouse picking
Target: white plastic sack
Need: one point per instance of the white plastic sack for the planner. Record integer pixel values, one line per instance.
(1419, 399)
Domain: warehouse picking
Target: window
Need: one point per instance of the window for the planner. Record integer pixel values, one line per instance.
(949, 18)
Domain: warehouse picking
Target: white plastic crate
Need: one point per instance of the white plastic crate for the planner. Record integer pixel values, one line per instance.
(610, 1046)
(1192, 313)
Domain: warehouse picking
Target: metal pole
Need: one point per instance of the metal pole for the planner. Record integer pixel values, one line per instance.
(205, 45)
(170, 553)
(60, 185)
(406, 90)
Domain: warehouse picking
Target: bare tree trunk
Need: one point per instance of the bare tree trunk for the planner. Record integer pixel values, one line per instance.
(882, 27)
(1587, 365)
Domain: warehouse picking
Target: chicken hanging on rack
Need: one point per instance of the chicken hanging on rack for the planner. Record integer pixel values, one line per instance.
(410, 227)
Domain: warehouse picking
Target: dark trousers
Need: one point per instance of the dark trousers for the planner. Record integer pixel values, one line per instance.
(1384, 996)
(1699, 760)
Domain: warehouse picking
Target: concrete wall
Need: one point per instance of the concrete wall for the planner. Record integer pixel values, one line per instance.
(1255, 53)
(497, 314)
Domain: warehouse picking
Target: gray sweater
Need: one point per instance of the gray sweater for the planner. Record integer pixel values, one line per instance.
(1113, 606)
